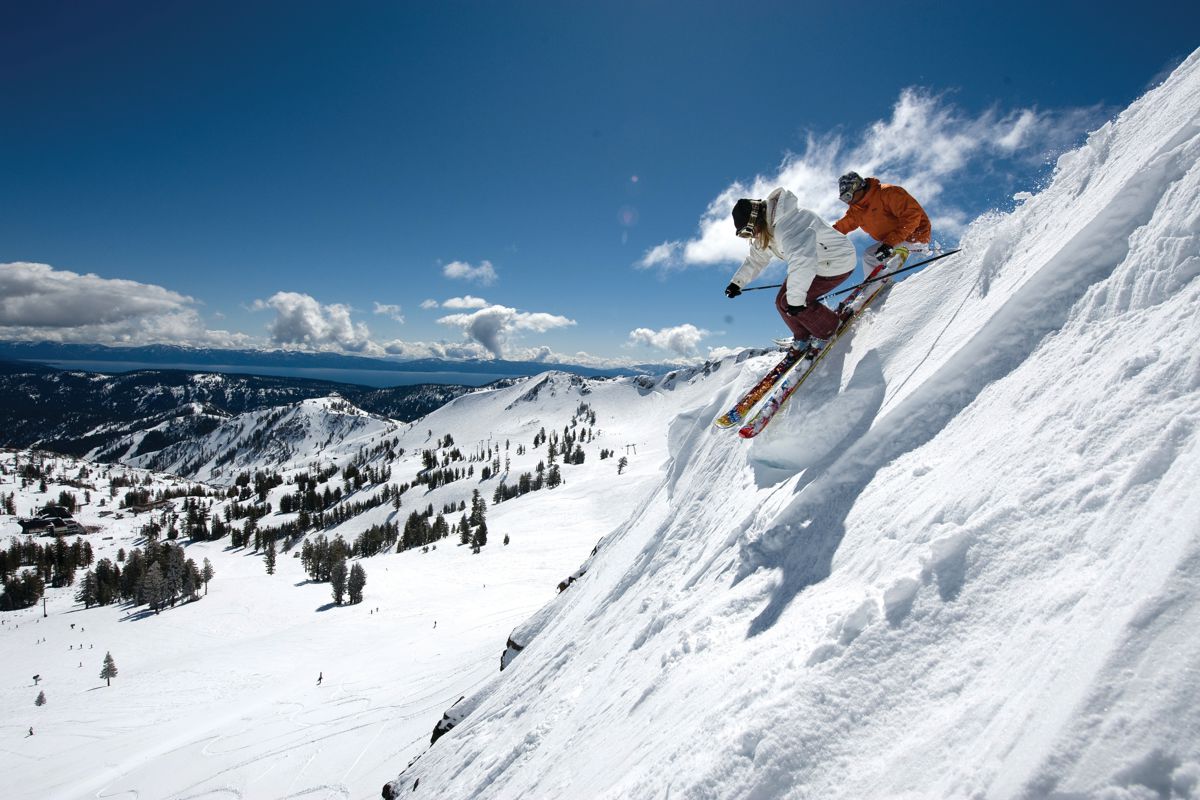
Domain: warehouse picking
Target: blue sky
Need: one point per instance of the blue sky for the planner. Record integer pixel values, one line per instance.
(532, 180)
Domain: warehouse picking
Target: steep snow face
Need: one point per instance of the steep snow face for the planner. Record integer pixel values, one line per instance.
(963, 563)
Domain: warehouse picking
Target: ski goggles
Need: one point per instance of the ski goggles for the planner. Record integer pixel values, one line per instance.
(849, 187)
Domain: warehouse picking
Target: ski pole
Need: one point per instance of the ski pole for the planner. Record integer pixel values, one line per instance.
(890, 274)
(864, 283)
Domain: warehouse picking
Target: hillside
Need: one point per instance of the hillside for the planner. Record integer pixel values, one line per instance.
(963, 564)
(220, 694)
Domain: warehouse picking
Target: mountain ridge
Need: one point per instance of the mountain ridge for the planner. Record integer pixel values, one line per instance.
(76, 412)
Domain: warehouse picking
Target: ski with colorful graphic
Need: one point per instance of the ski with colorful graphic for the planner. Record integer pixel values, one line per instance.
(760, 390)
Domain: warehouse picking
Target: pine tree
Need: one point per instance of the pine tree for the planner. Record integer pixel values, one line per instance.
(89, 592)
(109, 670)
(207, 574)
(337, 577)
(41, 699)
(480, 538)
(478, 508)
(622, 464)
(174, 573)
(356, 582)
(153, 587)
(191, 579)
(269, 555)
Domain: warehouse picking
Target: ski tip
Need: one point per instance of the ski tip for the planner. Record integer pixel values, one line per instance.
(728, 419)
(747, 432)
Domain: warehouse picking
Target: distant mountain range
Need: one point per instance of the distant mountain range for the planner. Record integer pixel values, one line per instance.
(77, 412)
(82, 399)
(175, 356)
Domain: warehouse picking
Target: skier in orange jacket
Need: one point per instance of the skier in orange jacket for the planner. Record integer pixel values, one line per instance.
(888, 214)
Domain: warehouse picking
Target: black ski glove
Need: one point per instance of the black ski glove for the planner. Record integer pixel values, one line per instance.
(794, 310)
(884, 252)
(732, 290)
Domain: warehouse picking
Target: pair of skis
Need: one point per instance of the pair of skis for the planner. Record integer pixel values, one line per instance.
(782, 381)
(786, 377)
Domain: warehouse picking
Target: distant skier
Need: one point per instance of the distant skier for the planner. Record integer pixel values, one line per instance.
(31, 731)
(320, 677)
(818, 259)
(888, 214)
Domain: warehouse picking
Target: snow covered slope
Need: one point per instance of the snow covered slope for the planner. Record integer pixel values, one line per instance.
(965, 563)
(283, 438)
(218, 698)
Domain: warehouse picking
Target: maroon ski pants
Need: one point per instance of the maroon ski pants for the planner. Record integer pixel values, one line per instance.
(816, 319)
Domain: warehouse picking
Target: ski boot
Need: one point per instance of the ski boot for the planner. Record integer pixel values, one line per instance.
(809, 346)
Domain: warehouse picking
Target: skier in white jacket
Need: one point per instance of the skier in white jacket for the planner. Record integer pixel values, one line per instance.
(818, 259)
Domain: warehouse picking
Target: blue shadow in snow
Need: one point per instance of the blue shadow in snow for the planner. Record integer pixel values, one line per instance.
(821, 504)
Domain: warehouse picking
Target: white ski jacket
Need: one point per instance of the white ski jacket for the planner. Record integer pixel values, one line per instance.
(809, 245)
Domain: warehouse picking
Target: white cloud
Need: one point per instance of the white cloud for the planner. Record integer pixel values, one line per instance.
(542, 355)
(493, 326)
(391, 310)
(924, 145)
(683, 340)
(428, 304)
(39, 302)
(485, 273)
(717, 353)
(465, 302)
(665, 253)
(454, 351)
(302, 321)
(1023, 126)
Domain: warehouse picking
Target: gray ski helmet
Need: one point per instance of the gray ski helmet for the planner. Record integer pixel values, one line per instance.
(848, 186)
(745, 214)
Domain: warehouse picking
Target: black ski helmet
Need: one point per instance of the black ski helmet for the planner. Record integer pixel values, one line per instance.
(849, 185)
(745, 215)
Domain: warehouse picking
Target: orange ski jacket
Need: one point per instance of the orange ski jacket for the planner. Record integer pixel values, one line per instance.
(887, 213)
